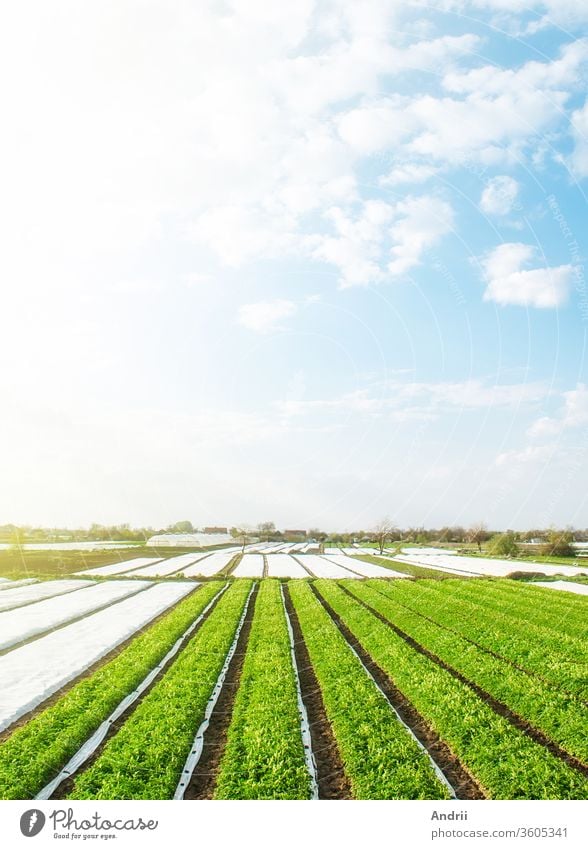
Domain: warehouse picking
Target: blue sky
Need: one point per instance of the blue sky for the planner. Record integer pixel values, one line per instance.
(317, 265)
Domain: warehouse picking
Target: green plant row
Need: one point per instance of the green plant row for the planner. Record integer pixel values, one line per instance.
(560, 661)
(559, 715)
(399, 566)
(145, 758)
(381, 759)
(264, 755)
(506, 763)
(35, 753)
(549, 609)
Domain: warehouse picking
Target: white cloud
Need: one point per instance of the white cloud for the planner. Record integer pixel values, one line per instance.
(529, 455)
(265, 316)
(381, 240)
(574, 413)
(509, 282)
(499, 195)
(559, 13)
(422, 222)
(356, 247)
(404, 401)
(409, 172)
(579, 159)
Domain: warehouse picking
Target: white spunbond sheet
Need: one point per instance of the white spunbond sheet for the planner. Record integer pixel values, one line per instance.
(489, 566)
(17, 626)
(284, 566)
(427, 563)
(251, 566)
(121, 567)
(36, 592)
(366, 570)
(209, 566)
(22, 582)
(320, 567)
(167, 567)
(568, 586)
(32, 673)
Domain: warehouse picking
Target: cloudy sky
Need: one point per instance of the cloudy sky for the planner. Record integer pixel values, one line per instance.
(314, 262)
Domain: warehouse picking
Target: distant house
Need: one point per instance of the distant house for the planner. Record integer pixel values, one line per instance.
(215, 530)
(294, 534)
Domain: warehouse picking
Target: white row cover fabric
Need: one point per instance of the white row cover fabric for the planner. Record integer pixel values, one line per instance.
(321, 567)
(121, 567)
(21, 624)
(167, 567)
(284, 566)
(251, 566)
(12, 598)
(366, 570)
(209, 566)
(7, 584)
(488, 566)
(568, 586)
(32, 673)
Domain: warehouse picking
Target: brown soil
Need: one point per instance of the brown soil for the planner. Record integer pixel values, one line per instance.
(203, 781)
(482, 648)
(88, 672)
(498, 707)
(463, 783)
(66, 786)
(333, 782)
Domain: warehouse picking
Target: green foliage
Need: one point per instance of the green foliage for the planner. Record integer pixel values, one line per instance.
(145, 759)
(558, 544)
(561, 716)
(264, 756)
(35, 753)
(507, 763)
(504, 545)
(381, 759)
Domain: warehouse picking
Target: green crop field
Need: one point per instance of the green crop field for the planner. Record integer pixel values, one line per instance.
(381, 688)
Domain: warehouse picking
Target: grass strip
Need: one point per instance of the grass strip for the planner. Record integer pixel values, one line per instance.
(145, 759)
(380, 757)
(264, 755)
(35, 752)
(506, 762)
(406, 568)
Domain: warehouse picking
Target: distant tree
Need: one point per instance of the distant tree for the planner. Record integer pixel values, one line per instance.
(242, 533)
(185, 527)
(478, 533)
(504, 545)
(382, 533)
(266, 529)
(317, 534)
(558, 544)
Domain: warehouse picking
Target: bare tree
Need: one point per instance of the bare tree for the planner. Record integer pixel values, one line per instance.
(382, 532)
(478, 533)
(266, 529)
(242, 534)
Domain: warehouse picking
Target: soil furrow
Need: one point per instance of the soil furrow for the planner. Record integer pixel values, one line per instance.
(87, 673)
(464, 784)
(203, 781)
(66, 786)
(497, 706)
(496, 655)
(333, 782)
